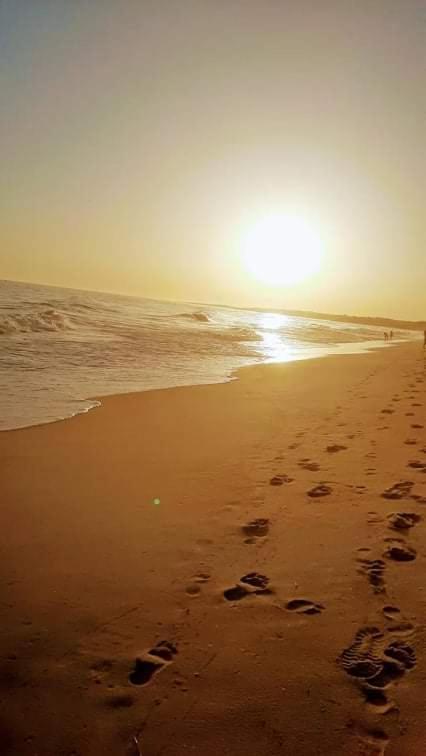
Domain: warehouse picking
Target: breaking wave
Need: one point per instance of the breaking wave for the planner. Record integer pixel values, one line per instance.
(200, 317)
(48, 320)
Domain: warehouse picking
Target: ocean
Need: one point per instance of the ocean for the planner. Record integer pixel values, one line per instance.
(61, 348)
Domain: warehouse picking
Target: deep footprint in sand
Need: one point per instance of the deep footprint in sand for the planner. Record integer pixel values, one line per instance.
(322, 489)
(303, 606)
(150, 663)
(251, 584)
(403, 520)
(374, 570)
(399, 551)
(378, 701)
(255, 580)
(416, 464)
(258, 528)
(377, 659)
(307, 464)
(391, 612)
(333, 448)
(278, 480)
(399, 490)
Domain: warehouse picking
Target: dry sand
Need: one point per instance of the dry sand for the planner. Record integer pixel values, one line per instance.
(299, 658)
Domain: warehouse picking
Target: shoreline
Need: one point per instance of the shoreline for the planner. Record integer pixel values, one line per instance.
(135, 526)
(347, 349)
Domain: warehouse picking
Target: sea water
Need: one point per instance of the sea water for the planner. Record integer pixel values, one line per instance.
(60, 348)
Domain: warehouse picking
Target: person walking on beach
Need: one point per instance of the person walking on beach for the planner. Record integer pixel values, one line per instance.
(424, 338)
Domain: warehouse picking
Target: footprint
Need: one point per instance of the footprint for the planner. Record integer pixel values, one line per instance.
(402, 652)
(378, 700)
(398, 490)
(403, 630)
(255, 580)
(362, 659)
(236, 593)
(410, 442)
(202, 577)
(416, 425)
(333, 448)
(374, 569)
(399, 551)
(387, 411)
(377, 659)
(146, 666)
(302, 606)
(403, 520)
(320, 490)
(278, 480)
(374, 518)
(194, 588)
(251, 584)
(256, 528)
(417, 464)
(306, 464)
(391, 612)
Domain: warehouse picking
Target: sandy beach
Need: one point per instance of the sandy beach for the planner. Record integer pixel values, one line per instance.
(231, 569)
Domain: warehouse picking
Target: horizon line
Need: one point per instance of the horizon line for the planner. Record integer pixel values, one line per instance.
(279, 310)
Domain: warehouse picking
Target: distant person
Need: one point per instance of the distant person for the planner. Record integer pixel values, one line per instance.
(391, 335)
(424, 339)
(385, 334)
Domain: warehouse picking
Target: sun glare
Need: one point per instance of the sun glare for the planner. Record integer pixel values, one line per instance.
(282, 249)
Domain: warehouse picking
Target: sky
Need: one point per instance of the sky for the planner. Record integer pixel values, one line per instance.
(140, 140)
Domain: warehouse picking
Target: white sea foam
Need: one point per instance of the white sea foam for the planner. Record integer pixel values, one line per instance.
(59, 348)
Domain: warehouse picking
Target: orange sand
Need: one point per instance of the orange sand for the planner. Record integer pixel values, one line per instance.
(95, 574)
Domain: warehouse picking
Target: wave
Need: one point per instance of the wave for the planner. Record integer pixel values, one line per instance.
(48, 320)
(201, 317)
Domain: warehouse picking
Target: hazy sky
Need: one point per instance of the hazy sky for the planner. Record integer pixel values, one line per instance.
(140, 138)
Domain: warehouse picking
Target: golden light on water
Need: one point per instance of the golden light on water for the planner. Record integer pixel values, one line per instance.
(282, 249)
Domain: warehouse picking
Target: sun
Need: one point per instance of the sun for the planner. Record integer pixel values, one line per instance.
(282, 249)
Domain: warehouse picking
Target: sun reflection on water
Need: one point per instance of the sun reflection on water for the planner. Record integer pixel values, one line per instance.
(275, 346)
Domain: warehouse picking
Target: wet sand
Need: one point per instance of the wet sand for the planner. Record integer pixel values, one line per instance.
(231, 569)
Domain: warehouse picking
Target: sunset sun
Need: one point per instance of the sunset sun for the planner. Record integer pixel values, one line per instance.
(282, 249)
